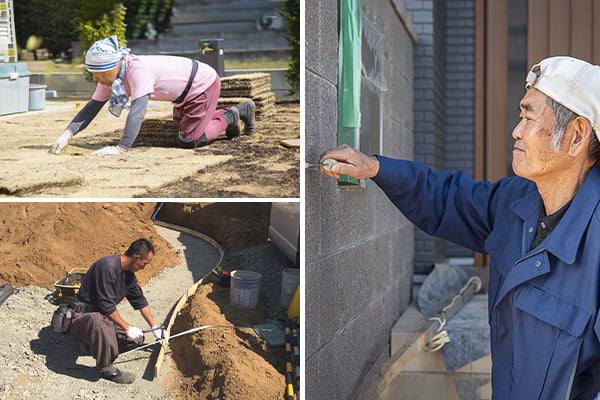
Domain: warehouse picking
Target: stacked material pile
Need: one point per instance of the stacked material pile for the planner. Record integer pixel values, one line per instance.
(158, 132)
(237, 89)
(6, 291)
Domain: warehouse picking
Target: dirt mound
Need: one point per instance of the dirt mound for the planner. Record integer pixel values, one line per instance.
(40, 241)
(224, 363)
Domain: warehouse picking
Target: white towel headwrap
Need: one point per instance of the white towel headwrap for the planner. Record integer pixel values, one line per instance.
(104, 55)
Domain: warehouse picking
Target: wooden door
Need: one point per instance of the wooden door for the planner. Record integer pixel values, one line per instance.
(554, 27)
(563, 28)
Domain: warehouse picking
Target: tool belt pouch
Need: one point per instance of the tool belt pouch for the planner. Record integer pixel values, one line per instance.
(61, 319)
(82, 307)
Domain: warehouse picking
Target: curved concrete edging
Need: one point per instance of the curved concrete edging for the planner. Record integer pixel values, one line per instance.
(184, 298)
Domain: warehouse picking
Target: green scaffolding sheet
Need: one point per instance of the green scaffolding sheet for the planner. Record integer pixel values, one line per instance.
(349, 76)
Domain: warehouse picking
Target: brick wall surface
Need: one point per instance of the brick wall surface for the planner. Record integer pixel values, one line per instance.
(444, 101)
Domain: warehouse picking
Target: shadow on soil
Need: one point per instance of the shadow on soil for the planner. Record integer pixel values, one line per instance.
(61, 355)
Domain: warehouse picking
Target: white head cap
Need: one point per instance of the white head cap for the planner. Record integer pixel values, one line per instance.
(572, 83)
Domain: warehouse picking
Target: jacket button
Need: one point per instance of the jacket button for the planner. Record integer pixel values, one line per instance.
(538, 263)
(530, 230)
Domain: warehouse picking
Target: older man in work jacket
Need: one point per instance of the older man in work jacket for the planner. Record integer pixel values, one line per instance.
(541, 228)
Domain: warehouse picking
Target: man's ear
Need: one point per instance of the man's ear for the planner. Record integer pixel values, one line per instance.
(580, 129)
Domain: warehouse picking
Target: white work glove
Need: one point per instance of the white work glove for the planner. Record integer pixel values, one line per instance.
(61, 142)
(134, 333)
(160, 333)
(108, 151)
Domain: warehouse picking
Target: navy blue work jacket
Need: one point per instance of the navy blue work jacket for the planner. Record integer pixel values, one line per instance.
(543, 302)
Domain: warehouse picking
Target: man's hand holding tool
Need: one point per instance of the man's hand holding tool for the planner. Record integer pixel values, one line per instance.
(346, 160)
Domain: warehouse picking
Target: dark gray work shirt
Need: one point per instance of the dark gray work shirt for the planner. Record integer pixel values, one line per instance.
(547, 223)
(106, 284)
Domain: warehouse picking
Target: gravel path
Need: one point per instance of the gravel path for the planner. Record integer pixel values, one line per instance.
(36, 363)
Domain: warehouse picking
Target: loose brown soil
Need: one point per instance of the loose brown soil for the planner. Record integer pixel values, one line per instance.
(40, 241)
(256, 165)
(260, 167)
(224, 363)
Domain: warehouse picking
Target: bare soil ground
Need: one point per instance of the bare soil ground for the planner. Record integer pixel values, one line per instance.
(36, 363)
(260, 166)
(257, 165)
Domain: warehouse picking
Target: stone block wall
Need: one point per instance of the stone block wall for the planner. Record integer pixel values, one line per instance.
(359, 248)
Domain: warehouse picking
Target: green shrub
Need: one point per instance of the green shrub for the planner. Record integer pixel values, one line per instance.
(142, 12)
(291, 14)
(112, 23)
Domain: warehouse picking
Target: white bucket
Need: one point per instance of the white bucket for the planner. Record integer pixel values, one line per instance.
(290, 279)
(4, 57)
(37, 97)
(245, 286)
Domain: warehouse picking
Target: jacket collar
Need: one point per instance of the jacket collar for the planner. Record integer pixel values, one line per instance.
(564, 241)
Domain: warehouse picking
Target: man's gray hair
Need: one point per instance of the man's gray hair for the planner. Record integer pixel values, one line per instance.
(562, 117)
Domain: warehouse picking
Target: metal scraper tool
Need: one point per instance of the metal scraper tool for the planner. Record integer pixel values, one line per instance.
(326, 164)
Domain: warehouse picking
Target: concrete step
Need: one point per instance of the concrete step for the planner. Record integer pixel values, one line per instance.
(219, 4)
(199, 21)
(245, 26)
(233, 26)
(222, 11)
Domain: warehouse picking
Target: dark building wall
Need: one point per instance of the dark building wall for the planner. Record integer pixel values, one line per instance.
(444, 101)
(460, 84)
(359, 248)
(430, 109)
(460, 94)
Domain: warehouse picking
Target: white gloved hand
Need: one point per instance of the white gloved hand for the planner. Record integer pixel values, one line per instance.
(134, 333)
(108, 151)
(61, 142)
(160, 333)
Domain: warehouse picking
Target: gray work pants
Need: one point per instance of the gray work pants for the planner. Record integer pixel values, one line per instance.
(104, 338)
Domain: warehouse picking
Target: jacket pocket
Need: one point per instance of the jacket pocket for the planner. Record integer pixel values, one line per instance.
(548, 332)
(554, 311)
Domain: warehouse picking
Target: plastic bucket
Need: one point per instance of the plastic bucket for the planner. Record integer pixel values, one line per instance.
(4, 57)
(289, 282)
(37, 97)
(244, 289)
